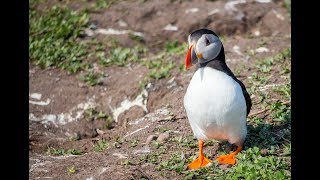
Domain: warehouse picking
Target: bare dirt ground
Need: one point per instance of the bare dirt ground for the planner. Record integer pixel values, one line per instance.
(63, 109)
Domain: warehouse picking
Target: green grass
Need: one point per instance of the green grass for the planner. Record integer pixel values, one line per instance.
(280, 112)
(188, 141)
(101, 145)
(92, 78)
(53, 38)
(62, 152)
(173, 47)
(161, 65)
(121, 56)
(175, 163)
(90, 114)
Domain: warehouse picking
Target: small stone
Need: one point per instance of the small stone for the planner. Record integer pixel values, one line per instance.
(224, 166)
(144, 165)
(120, 156)
(163, 137)
(36, 96)
(170, 27)
(82, 84)
(262, 49)
(100, 132)
(151, 138)
(264, 151)
(122, 23)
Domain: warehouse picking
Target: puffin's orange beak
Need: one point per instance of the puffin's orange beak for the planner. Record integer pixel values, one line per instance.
(188, 59)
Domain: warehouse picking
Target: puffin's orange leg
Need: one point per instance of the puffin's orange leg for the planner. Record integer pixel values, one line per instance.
(201, 161)
(229, 158)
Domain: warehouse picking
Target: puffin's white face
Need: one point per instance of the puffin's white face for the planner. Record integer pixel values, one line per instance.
(206, 48)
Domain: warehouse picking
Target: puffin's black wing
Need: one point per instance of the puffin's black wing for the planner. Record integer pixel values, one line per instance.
(221, 66)
(246, 95)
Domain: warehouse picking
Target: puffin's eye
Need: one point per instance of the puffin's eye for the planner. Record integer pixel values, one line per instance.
(207, 42)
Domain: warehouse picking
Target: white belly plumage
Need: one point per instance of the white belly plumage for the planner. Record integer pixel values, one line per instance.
(215, 106)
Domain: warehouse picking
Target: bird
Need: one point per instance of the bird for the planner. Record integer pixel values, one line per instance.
(216, 102)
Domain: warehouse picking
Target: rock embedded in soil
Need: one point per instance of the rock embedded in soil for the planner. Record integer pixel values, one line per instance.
(224, 166)
(163, 137)
(134, 112)
(151, 138)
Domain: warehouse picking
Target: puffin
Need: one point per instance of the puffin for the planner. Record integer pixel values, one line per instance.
(216, 102)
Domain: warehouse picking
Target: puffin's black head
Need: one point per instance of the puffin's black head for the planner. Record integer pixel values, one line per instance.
(204, 46)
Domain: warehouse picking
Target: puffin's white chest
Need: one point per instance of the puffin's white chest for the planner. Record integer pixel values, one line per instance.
(215, 106)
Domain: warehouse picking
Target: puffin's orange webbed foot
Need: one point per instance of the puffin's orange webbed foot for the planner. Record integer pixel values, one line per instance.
(229, 158)
(199, 162)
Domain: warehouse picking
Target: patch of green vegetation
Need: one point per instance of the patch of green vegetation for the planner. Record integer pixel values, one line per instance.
(161, 73)
(102, 4)
(154, 157)
(266, 64)
(118, 142)
(156, 144)
(92, 78)
(188, 141)
(160, 68)
(74, 138)
(92, 114)
(240, 68)
(134, 143)
(161, 129)
(175, 163)
(62, 152)
(284, 90)
(122, 56)
(182, 67)
(287, 149)
(107, 118)
(287, 5)
(280, 112)
(259, 79)
(53, 38)
(265, 136)
(284, 55)
(126, 162)
(101, 145)
(173, 47)
(71, 170)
